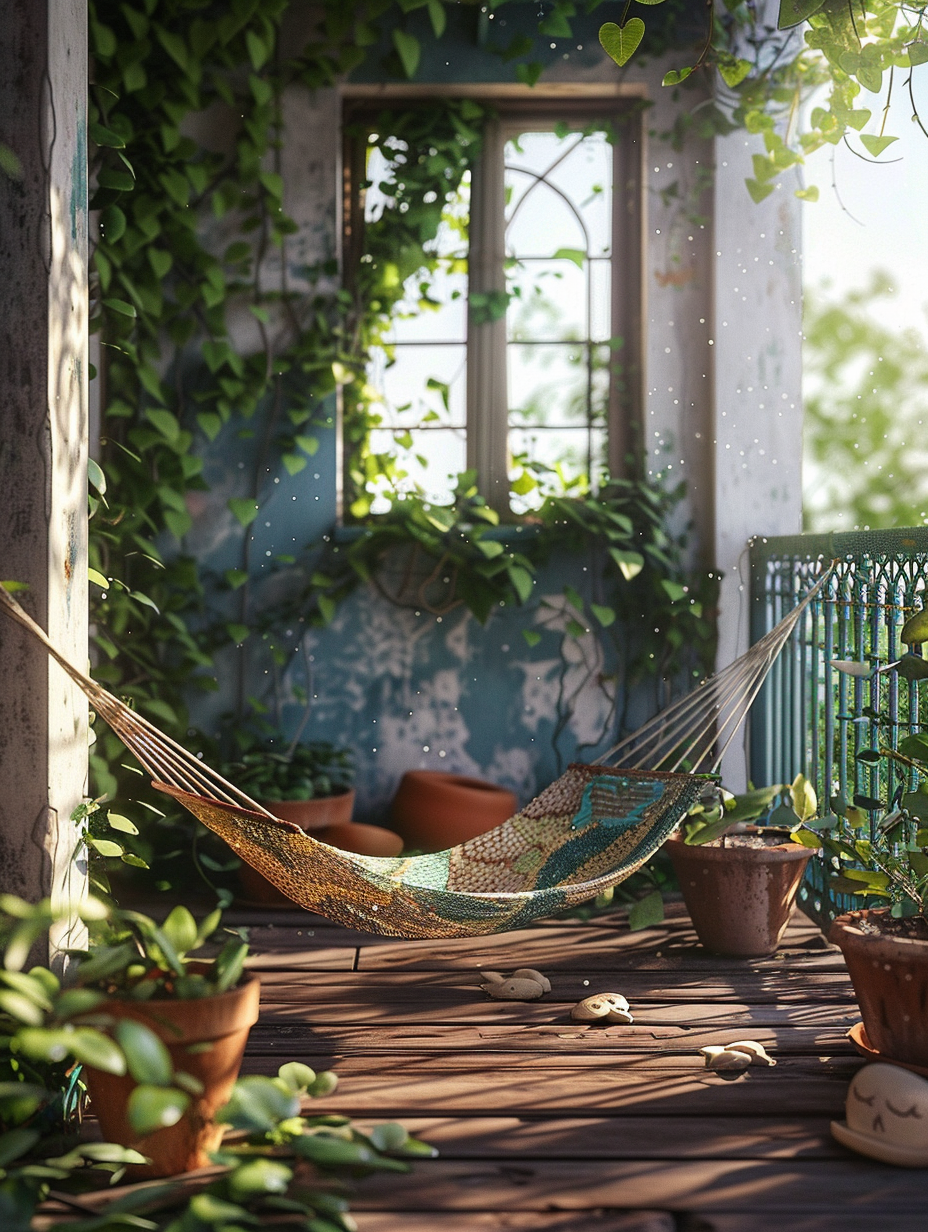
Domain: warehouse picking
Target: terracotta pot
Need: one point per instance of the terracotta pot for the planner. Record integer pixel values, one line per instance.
(365, 840)
(223, 1022)
(890, 978)
(739, 898)
(433, 810)
(314, 814)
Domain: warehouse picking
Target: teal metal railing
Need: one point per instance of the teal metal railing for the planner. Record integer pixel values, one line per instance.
(811, 717)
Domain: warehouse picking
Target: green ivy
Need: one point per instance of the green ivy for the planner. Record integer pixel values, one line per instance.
(164, 292)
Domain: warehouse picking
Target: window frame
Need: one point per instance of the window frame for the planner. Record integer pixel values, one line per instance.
(487, 418)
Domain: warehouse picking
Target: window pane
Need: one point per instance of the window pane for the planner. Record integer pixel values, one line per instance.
(558, 245)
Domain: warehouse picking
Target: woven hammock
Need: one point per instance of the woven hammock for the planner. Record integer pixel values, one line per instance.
(593, 827)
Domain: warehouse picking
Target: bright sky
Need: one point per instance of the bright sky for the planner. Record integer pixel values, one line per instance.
(890, 205)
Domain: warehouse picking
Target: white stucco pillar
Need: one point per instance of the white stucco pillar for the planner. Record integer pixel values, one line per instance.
(756, 345)
(43, 438)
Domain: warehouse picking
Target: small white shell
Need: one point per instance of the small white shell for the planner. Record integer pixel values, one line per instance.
(755, 1051)
(724, 1059)
(528, 973)
(514, 990)
(602, 1007)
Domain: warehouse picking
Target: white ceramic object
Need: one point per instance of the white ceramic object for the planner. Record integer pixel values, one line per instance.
(887, 1116)
(602, 1007)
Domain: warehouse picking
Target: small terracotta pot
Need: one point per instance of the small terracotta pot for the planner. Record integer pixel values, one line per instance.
(433, 810)
(223, 1022)
(314, 814)
(362, 839)
(739, 898)
(890, 978)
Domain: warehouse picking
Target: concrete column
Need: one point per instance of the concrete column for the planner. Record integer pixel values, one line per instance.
(43, 439)
(756, 346)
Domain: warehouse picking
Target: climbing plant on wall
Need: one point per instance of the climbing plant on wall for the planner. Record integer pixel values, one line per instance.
(193, 239)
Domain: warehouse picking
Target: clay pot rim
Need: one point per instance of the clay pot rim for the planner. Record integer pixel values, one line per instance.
(335, 795)
(844, 924)
(248, 988)
(775, 853)
(465, 781)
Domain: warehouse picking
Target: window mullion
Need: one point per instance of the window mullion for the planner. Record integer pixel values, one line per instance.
(487, 378)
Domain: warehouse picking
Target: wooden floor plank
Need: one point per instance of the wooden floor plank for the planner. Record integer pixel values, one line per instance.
(392, 1040)
(814, 1186)
(409, 1090)
(628, 1137)
(517, 1221)
(411, 987)
(339, 1005)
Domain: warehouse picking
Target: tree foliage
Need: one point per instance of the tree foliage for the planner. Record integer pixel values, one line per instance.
(866, 407)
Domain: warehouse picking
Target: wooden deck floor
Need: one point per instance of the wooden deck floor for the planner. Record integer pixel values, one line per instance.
(544, 1124)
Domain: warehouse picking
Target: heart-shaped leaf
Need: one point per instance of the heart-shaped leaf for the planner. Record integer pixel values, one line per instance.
(675, 76)
(734, 71)
(876, 145)
(621, 42)
(793, 12)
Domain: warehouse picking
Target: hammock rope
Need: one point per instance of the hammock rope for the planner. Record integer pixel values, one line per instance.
(593, 827)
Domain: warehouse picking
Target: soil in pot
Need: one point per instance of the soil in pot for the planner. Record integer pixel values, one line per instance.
(433, 810)
(223, 1023)
(740, 891)
(887, 960)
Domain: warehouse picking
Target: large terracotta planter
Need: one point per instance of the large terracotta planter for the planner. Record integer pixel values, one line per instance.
(223, 1022)
(433, 810)
(739, 898)
(890, 978)
(314, 814)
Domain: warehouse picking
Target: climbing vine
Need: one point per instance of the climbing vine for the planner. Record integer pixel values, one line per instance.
(209, 333)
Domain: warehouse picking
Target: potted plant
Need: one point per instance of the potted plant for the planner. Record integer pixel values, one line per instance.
(181, 1023)
(309, 783)
(51, 1031)
(886, 946)
(739, 881)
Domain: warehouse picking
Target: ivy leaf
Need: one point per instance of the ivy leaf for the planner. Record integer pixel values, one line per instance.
(294, 463)
(95, 476)
(675, 76)
(675, 592)
(309, 444)
(120, 181)
(258, 50)
(918, 53)
(210, 424)
(116, 821)
(605, 615)
(98, 579)
(758, 191)
(106, 847)
(630, 563)
(876, 145)
(529, 73)
(152, 1108)
(112, 223)
(577, 255)
(621, 42)
(522, 581)
(120, 306)
(734, 71)
(532, 636)
(438, 17)
(408, 50)
(794, 12)
(245, 510)
(646, 912)
(807, 194)
(105, 136)
(236, 577)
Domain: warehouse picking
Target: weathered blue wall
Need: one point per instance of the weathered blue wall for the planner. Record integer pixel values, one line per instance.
(406, 690)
